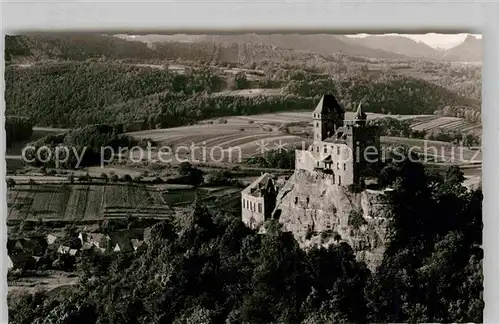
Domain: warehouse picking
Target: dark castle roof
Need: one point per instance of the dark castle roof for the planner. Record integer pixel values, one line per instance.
(328, 104)
(360, 114)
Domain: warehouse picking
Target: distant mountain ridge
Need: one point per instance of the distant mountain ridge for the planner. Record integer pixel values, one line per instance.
(372, 46)
(242, 49)
(470, 50)
(317, 43)
(398, 44)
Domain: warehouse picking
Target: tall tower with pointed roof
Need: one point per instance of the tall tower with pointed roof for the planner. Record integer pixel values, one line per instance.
(360, 117)
(327, 117)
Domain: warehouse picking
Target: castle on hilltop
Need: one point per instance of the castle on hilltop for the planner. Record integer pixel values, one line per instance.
(342, 151)
(342, 148)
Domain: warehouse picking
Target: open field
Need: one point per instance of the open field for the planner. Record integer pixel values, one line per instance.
(95, 202)
(436, 151)
(250, 92)
(55, 281)
(446, 124)
(83, 202)
(244, 136)
(224, 198)
(231, 142)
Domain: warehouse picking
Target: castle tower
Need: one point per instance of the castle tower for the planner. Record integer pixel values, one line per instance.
(327, 117)
(360, 116)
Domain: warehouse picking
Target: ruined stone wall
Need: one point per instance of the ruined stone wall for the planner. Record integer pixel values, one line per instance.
(250, 214)
(314, 210)
(304, 160)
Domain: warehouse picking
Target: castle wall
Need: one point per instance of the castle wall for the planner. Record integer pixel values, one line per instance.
(252, 210)
(304, 160)
(343, 161)
(309, 206)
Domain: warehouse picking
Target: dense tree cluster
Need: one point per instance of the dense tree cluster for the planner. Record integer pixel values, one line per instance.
(206, 267)
(17, 129)
(78, 94)
(395, 94)
(174, 109)
(73, 47)
(92, 144)
(58, 93)
(279, 159)
(432, 269)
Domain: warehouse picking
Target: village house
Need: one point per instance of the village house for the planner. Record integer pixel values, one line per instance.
(51, 239)
(101, 241)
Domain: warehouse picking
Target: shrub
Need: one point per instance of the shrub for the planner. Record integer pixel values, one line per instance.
(157, 180)
(309, 232)
(10, 183)
(356, 219)
(126, 178)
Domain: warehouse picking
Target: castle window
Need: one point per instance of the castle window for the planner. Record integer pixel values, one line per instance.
(307, 200)
(260, 208)
(317, 149)
(338, 150)
(296, 200)
(326, 149)
(243, 203)
(340, 181)
(338, 168)
(344, 166)
(317, 124)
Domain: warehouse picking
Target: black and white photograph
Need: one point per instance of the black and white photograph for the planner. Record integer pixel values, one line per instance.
(244, 177)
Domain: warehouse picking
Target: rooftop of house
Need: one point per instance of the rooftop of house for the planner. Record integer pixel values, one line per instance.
(261, 183)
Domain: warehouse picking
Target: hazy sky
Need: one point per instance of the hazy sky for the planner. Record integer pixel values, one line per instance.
(435, 40)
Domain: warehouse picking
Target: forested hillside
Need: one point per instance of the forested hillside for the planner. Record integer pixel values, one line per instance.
(92, 79)
(317, 43)
(208, 267)
(80, 47)
(388, 93)
(75, 94)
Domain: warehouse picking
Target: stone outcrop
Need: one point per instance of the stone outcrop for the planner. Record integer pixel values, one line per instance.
(317, 212)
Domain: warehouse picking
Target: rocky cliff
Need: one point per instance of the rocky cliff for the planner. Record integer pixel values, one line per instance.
(319, 212)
